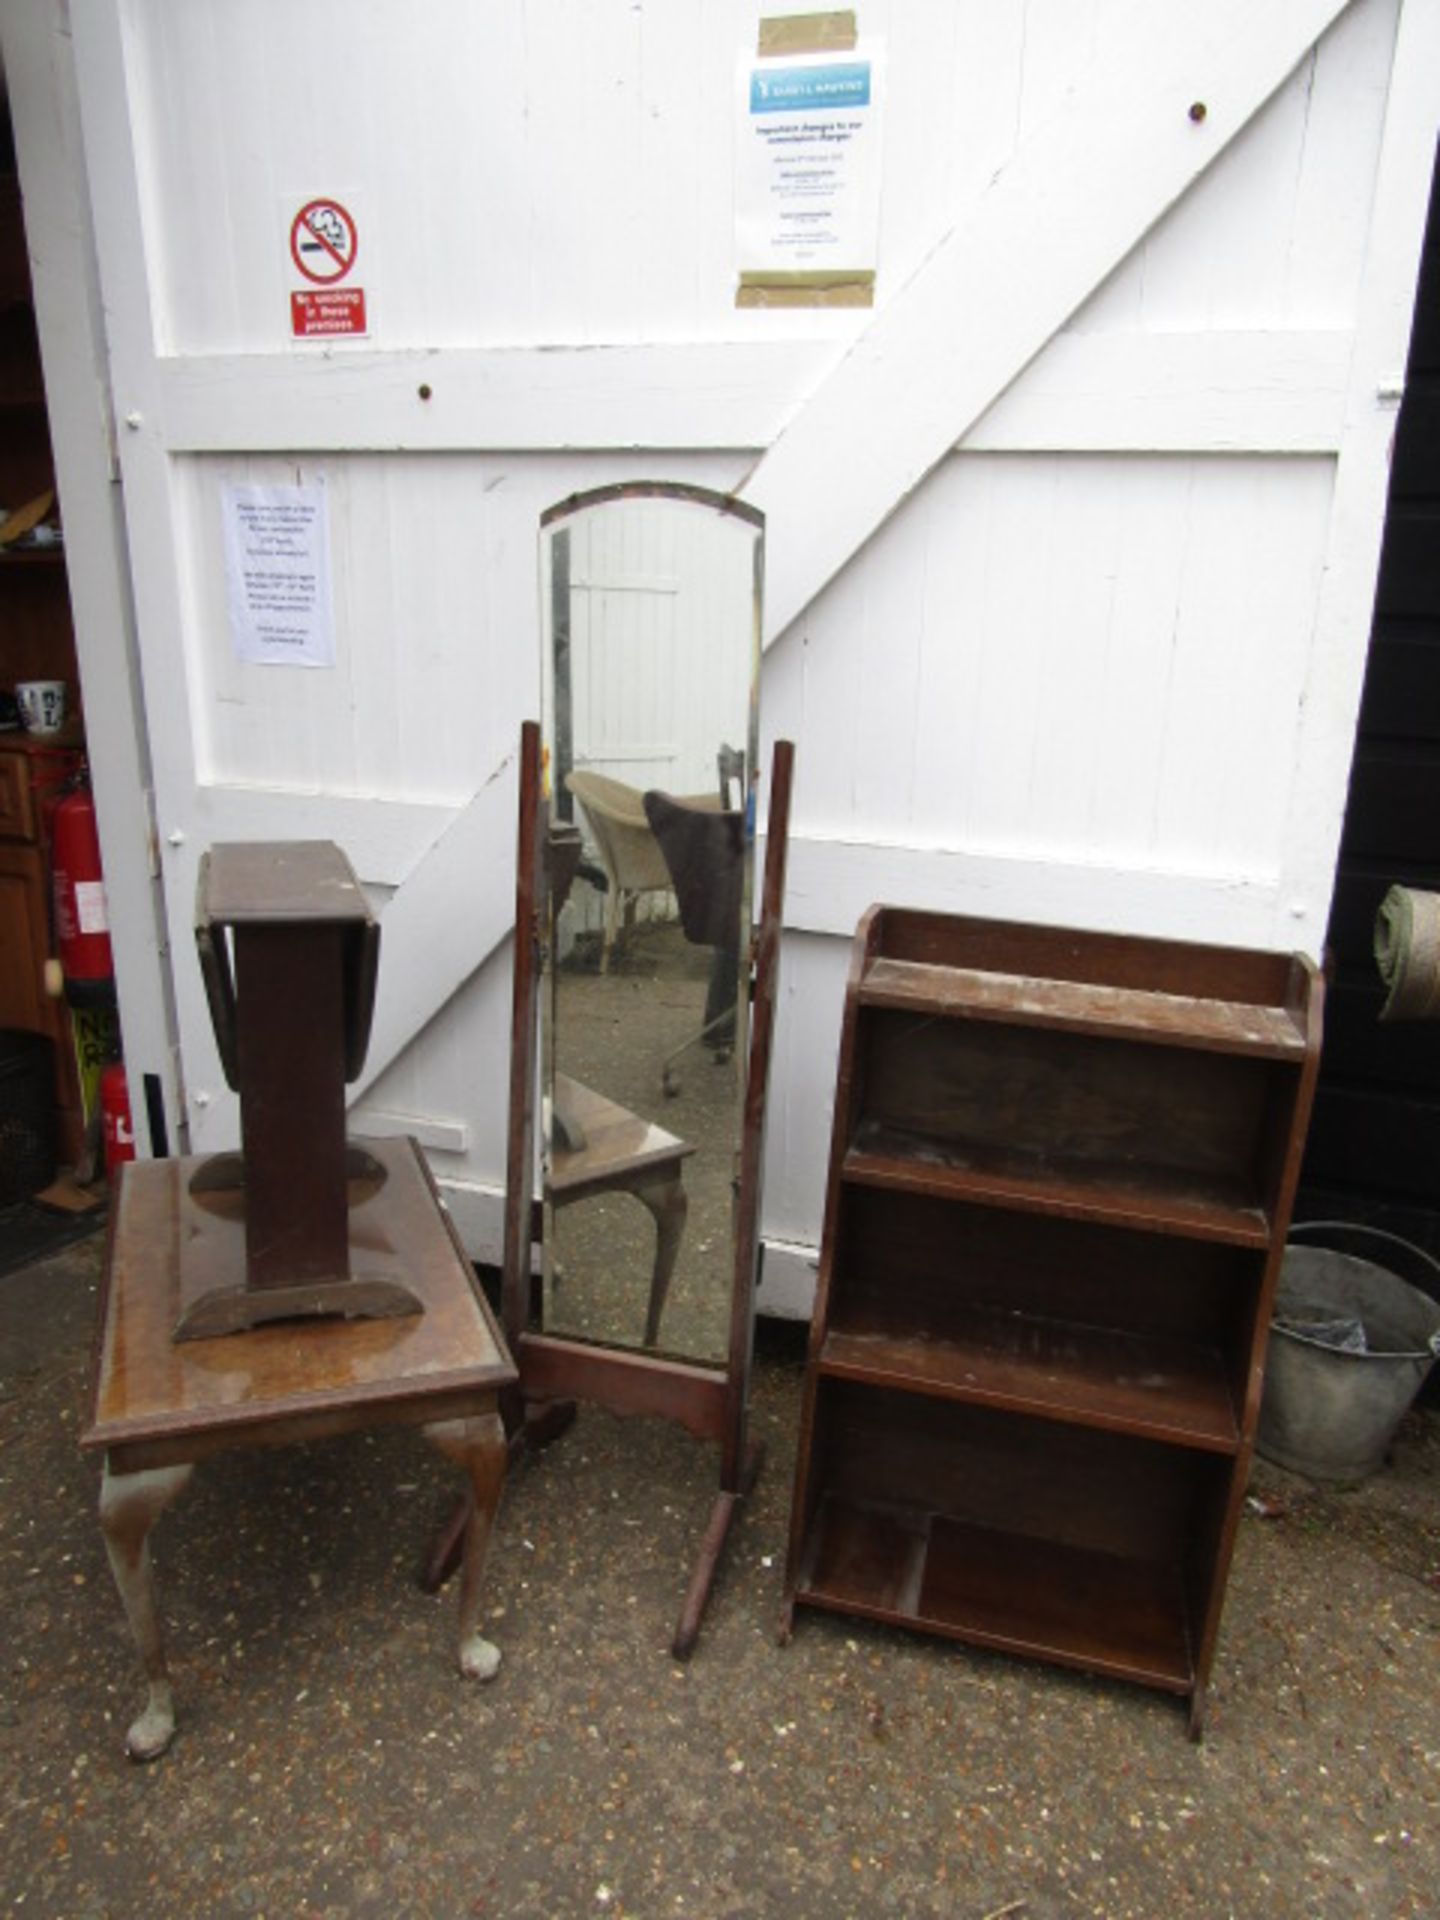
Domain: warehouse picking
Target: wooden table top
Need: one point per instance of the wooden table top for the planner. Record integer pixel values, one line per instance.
(618, 1145)
(156, 1398)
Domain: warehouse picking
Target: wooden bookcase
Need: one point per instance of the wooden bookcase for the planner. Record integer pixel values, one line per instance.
(1060, 1181)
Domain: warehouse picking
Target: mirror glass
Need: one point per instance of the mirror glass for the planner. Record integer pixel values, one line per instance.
(650, 603)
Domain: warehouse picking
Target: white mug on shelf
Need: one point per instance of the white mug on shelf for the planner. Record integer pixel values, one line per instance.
(41, 704)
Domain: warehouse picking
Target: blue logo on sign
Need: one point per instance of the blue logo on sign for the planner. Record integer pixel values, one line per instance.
(810, 89)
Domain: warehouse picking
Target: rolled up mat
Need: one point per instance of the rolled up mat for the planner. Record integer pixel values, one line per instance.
(1407, 952)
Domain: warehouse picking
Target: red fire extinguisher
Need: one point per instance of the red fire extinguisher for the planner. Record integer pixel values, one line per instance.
(82, 924)
(116, 1124)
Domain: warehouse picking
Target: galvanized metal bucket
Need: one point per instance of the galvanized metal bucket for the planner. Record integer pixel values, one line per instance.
(1328, 1412)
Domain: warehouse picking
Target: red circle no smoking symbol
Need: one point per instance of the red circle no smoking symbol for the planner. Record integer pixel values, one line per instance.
(323, 241)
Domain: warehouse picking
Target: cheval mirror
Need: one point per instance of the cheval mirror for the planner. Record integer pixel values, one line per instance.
(644, 987)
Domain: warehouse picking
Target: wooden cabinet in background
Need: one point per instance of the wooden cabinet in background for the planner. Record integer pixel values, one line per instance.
(31, 772)
(37, 639)
(23, 936)
(1060, 1182)
(37, 642)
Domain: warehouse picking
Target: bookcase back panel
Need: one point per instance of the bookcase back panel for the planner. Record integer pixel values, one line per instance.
(1068, 1098)
(904, 1260)
(1073, 1486)
(1060, 953)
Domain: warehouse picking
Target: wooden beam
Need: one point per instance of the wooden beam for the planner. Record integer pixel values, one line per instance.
(1277, 391)
(435, 1135)
(1173, 86)
(563, 398)
(832, 880)
(445, 921)
(384, 839)
(1210, 391)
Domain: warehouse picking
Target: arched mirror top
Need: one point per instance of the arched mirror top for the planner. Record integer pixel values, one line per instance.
(677, 490)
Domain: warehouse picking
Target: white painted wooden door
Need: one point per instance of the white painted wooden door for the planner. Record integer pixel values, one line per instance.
(1070, 542)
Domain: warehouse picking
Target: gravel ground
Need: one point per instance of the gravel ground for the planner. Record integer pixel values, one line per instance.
(330, 1763)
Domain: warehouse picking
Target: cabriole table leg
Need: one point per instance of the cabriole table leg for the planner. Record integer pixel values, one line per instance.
(130, 1504)
(669, 1205)
(478, 1446)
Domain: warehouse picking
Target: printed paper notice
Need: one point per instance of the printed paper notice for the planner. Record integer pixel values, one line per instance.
(277, 569)
(808, 182)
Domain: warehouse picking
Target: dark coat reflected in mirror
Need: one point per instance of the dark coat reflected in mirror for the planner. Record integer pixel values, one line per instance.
(651, 659)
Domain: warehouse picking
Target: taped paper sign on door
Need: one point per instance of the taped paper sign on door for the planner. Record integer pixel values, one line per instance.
(277, 575)
(808, 176)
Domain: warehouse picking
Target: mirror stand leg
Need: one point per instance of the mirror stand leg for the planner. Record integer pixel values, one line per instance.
(443, 1556)
(707, 1563)
(538, 1423)
(545, 1421)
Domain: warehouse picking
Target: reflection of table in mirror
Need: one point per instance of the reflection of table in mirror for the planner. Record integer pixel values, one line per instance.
(161, 1406)
(611, 1150)
(611, 1034)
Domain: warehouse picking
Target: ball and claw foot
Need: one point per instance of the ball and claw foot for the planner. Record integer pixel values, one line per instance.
(152, 1732)
(479, 1658)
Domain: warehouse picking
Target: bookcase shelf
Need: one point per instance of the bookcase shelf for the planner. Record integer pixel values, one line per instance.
(1096, 1611)
(1060, 1180)
(1166, 1200)
(1153, 1018)
(1093, 1376)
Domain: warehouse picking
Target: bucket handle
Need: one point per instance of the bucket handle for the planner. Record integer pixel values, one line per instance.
(1374, 1233)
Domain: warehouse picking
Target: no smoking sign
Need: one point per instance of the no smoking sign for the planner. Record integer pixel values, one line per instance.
(324, 245)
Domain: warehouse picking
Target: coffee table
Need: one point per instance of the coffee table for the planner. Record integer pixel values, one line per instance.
(161, 1406)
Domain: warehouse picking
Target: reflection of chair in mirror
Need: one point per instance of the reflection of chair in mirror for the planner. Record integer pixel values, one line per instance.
(611, 1150)
(730, 771)
(704, 849)
(632, 861)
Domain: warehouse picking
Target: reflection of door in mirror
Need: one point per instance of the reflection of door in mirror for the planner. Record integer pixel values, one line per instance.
(650, 596)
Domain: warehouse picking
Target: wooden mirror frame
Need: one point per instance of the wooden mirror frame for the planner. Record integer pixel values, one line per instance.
(710, 1402)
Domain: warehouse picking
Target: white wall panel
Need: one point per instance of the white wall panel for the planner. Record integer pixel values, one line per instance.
(424, 668)
(447, 1073)
(1080, 657)
(797, 1141)
(531, 172)
(544, 172)
(436, 595)
(1274, 233)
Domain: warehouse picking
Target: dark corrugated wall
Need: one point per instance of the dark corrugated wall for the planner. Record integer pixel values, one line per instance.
(1374, 1149)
